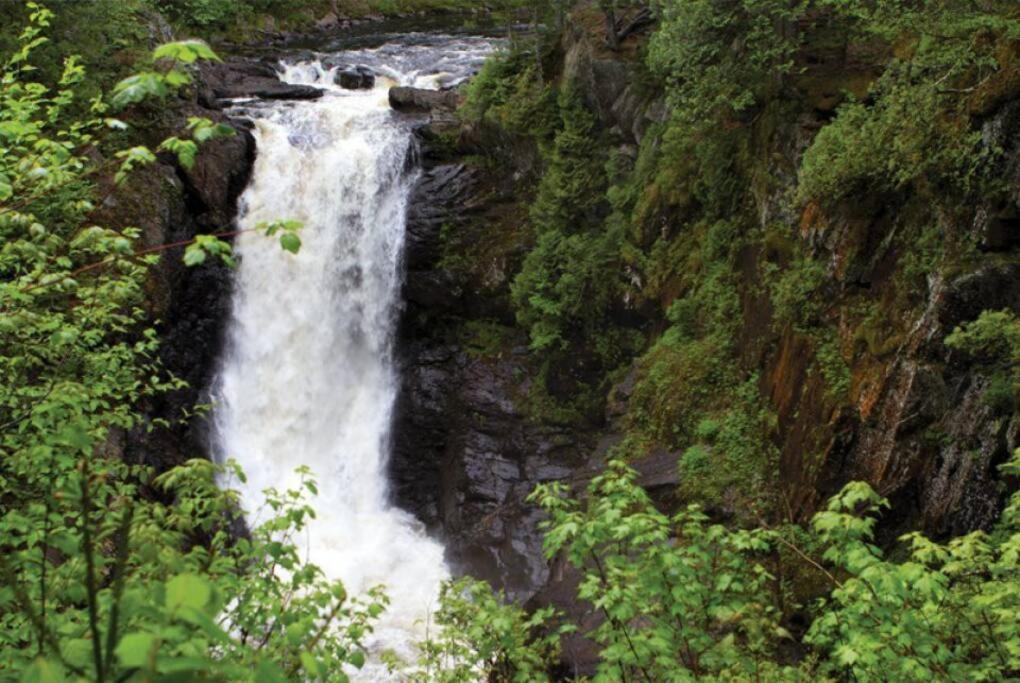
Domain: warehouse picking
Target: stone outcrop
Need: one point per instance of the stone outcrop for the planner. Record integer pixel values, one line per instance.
(356, 78)
(917, 425)
(243, 78)
(172, 204)
(423, 101)
(465, 455)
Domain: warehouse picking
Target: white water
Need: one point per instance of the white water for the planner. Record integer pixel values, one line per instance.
(308, 375)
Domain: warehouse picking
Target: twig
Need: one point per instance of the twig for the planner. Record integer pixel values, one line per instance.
(119, 570)
(90, 573)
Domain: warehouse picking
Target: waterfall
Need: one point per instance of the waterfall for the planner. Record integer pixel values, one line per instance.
(308, 376)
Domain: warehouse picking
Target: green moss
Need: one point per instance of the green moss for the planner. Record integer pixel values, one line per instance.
(485, 339)
(734, 457)
(557, 395)
(794, 293)
(1001, 395)
(993, 340)
(830, 362)
(681, 381)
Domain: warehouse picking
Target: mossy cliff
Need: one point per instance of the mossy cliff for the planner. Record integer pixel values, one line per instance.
(752, 303)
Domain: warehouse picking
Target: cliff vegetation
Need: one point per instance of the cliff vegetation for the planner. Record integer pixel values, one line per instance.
(747, 270)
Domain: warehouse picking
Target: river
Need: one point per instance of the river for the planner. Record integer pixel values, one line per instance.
(308, 376)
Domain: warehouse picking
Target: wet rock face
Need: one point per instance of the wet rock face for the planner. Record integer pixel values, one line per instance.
(172, 205)
(356, 78)
(935, 440)
(418, 100)
(465, 457)
(237, 78)
(466, 460)
(925, 430)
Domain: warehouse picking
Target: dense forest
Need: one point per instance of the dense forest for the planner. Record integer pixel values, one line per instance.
(749, 269)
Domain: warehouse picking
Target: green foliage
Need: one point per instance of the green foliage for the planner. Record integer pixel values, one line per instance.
(482, 637)
(733, 461)
(904, 137)
(175, 57)
(574, 180)
(830, 362)
(684, 599)
(948, 612)
(106, 34)
(994, 339)
(720, 59)
(109, 572)
(794, 294)
(562, 293)
(918, 128)
(222, 14)
(288, 232)
(159, 604)
(681, 382)
(485, 338)
(509, 92)
(921, 260)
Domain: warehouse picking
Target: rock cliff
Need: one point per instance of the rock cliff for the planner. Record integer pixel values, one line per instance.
(915, 419)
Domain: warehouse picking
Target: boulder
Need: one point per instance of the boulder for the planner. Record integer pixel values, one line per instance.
(244, 78)
(406, 99)
(356, 78)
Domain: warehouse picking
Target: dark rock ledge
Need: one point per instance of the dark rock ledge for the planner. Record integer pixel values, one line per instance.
(237, 78)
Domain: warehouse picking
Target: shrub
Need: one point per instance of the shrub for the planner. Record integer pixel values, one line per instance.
(682, 598)
(481, 636)
(721, 58)
(905, 137)
(918, 128)
(994, 339)
(110, 573)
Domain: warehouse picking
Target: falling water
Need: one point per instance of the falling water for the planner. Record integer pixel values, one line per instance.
(308, 375)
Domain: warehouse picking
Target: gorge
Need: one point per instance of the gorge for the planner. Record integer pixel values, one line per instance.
(468, 446)
(308, 378)
(631, 340)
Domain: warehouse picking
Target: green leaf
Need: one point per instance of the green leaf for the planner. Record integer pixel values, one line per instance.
(290, 242)
(207, 624)
(187, 590)
(357, 659)
(194, 255)
(268, 672)
(136, 650)
(310, 664)
(171, 665)
(43, 671)
(139, 87)
(186, 51)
